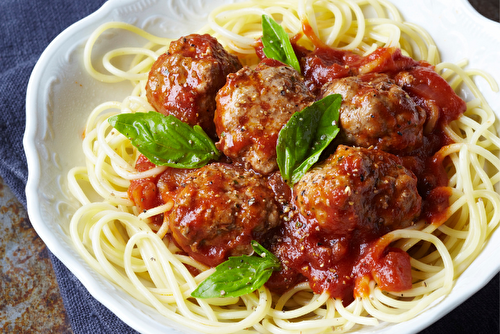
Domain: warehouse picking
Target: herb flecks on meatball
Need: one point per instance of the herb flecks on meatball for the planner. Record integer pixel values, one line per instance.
(377, 112)
(219, 209)
(252, 108)
(184, 81)
(359, 189)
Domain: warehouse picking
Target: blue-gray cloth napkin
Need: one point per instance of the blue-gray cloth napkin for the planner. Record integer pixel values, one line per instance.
(26, 28)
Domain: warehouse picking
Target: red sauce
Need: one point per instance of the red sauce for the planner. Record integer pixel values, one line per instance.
(435, 210)
(340, 265)
(144, 192)
(429, 90)
(326, 263)
(308, 31)
(389, 267)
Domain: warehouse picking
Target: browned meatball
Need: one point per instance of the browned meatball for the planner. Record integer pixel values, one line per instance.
(358, 188)
(377, 112)
(183, 82)
(219, 209)
(252, 108)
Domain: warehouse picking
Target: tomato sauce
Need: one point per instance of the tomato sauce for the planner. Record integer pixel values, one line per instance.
(144, 192)
(389, 267)
(344, 265)
(339, 265)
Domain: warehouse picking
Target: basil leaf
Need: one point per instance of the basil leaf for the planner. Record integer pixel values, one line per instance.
(277, 43)
(306, 134)
(239, 275)
(165, 140)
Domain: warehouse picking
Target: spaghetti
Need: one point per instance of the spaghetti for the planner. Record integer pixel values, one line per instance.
(118, 241)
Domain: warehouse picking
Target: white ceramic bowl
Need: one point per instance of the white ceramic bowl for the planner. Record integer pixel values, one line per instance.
(61, 95)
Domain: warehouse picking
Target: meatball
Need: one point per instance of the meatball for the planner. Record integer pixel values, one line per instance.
(377, 112)
(219, 209)
(183, 82)
(359, 189)
(252, 108)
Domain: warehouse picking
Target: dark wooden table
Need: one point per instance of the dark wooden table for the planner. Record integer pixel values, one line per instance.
(30, 299)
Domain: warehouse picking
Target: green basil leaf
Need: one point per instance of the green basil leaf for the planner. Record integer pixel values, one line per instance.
(239, 275)
(306, 134)
(165, 140)
(277, 43)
